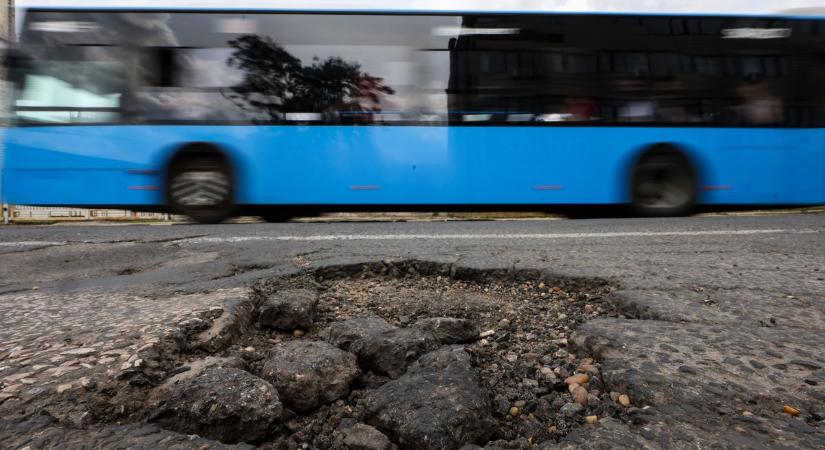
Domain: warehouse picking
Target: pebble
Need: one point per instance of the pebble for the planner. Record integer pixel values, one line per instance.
(580, 395)
(520, 404)
(298, 333)
(503, 323)
(624, 400)
(529, 382)
(790, 410)
(589, 369)
(591, 419)
(487, 333)
(514, 411)
(64, 387)
(571, 409)
(249, 349)
(579, 378)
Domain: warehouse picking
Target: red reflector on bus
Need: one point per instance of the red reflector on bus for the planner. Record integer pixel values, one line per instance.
(144, 188)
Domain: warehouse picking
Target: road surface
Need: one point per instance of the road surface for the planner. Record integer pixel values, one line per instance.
(722, 318)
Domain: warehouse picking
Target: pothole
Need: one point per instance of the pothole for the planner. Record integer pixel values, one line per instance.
(409, 355)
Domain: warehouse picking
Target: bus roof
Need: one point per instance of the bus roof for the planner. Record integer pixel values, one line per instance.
(818, 15)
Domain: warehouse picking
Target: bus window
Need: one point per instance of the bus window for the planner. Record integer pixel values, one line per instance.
(69, 92)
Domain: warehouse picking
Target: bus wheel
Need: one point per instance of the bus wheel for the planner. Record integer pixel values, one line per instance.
(663, 185)
(201, 187)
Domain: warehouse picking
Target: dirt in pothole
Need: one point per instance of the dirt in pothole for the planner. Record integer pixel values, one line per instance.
(523, 360)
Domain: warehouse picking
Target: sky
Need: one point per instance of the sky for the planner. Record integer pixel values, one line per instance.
(713, 6)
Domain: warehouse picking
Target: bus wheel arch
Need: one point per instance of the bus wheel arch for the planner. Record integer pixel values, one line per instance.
(663, 181)
(201, 182)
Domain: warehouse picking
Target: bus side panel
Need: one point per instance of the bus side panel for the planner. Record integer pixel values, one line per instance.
(763, 166)
(377, 165)
(80, 165)
(374, 165)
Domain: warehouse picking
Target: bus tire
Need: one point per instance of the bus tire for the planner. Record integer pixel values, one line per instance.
(663, 184)
(201, 187)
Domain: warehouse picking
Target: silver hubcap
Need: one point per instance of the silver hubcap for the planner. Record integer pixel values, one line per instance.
(200, 188)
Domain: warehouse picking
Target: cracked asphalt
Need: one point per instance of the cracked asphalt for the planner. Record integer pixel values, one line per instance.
(723, 317)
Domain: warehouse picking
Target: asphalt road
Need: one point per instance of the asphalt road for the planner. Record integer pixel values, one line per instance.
(724, 316)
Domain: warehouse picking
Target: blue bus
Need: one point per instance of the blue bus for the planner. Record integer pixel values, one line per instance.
(216, 113)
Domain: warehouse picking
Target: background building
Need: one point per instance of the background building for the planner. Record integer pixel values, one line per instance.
(6, 30)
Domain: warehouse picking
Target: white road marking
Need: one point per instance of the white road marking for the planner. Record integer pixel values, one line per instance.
(550, 236)
(410, 237)
(32, 244)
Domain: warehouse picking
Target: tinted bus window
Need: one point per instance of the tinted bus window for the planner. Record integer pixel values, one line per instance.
(411, 69)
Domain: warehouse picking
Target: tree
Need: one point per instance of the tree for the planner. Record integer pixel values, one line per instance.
(275, 82)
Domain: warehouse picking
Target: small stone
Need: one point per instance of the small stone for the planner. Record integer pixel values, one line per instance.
(514, 411)
(298, 333)
(289, 309)
(343, 334)
(529, 382)
(390, 352)
(591, 419)
(308, 374)
(580, 395)
(87, 383)
(624, 400)
(82, 351)
(64, 387)
(487, 334)
(588, 309)
(224, 404)
(571, 409)
(572, 387)
(579, 378)
(249, 349)
(588, 369)
(449, 330)
(437, 404)
(365, 437)
(13, 388)
(790, 410)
